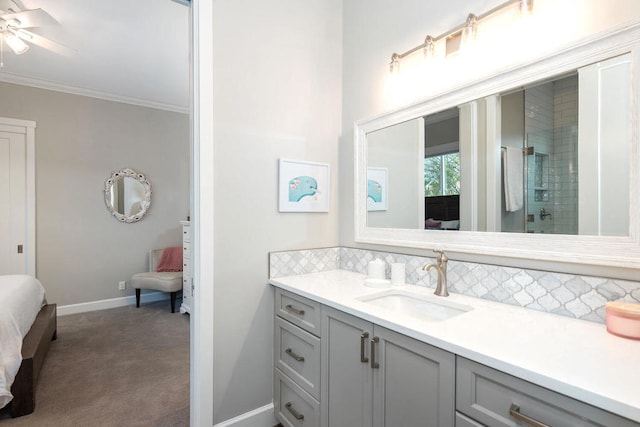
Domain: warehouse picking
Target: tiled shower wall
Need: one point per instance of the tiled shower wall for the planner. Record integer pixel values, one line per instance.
(551, 117)
(538, 108)
(582, 297)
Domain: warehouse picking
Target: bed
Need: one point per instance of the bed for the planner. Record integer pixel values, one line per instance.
(442, 212)
(27, 327)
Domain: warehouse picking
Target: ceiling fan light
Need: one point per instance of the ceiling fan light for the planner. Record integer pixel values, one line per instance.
(18, 46)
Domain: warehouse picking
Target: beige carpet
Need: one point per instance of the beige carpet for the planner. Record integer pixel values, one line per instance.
(119, 367)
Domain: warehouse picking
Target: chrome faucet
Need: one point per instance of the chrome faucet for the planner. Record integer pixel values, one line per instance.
(441, 268)
(544, 214)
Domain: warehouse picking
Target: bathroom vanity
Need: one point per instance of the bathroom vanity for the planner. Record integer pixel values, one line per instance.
(347, 354)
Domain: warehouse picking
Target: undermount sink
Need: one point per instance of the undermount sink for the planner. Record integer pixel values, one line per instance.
(416, 305)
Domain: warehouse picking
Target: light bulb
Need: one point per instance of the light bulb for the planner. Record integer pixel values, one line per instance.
(470, 29)
(394, 65)
(526, 7)
(429, 48)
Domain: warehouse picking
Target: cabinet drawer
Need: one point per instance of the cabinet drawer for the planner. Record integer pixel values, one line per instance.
(186, 266)
(298, 310)
(186, 237)
(487, 396)
(186, 249)
(298, 356)
(464, 421)
(292, 405)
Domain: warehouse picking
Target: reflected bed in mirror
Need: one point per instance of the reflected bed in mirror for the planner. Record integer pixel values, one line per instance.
(127, 194)
(543, 160)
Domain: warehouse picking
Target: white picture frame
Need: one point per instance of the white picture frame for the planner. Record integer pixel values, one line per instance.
(377, 189)
(303, 186)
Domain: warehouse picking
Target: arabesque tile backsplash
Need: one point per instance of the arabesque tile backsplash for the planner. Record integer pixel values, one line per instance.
(582, 297)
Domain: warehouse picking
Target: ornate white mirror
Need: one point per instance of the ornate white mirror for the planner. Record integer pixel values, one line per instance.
(127, 194)
(569, 190)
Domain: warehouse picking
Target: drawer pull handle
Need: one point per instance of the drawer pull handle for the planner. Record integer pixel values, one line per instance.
(374, 364)
(295, 356)
(297, 415)
(293, 310)
(363, 339)
(514, 411)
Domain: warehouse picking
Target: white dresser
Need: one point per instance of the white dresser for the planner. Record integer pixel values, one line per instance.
(187, 295)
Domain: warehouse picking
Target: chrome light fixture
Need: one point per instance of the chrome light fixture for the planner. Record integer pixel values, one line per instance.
(460, 36)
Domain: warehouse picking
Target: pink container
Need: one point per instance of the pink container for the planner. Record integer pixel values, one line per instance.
(623, 319)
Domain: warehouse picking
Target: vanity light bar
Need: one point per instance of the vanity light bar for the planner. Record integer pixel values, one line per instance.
(461, 33)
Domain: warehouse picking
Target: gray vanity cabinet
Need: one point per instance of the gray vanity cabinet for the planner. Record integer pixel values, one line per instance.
(296, 380)
(414, 385)
(496, 399)
(372, 376)
(347, 377)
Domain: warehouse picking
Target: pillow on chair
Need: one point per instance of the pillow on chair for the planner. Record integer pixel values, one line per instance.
(164, 281)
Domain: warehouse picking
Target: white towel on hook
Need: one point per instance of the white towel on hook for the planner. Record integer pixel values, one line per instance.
(513, 167)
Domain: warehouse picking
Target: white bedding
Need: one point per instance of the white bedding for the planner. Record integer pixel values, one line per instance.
(21, 298)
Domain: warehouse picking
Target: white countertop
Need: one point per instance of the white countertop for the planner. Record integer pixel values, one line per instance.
(573, 357)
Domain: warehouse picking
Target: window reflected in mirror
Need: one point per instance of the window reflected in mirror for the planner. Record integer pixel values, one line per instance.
(442, 170)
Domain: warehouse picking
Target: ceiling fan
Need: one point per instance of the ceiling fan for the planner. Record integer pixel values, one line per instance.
(13, 29)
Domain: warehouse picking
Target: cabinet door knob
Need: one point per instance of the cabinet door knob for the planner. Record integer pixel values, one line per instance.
(294, 355)
(363, 340)
(297, 415)
(294, 310)
(514, 411)
(374, 364)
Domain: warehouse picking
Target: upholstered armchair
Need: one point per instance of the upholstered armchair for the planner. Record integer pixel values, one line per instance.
(164, 281)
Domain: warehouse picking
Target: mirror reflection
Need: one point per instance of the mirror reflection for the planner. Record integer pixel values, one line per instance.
(557, 163)
(127, 195)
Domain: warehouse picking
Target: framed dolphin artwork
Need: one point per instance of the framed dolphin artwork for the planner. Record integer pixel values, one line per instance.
(377, 189)
(303, 186)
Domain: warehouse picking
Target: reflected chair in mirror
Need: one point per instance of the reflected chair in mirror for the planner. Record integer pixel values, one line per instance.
(167, 260)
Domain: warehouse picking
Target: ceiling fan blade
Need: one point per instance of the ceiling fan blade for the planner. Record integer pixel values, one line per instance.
(29, 18)
(44, 42)
(9, 6)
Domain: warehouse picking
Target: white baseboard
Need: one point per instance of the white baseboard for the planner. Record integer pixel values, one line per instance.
(104, 304)
(261, 417)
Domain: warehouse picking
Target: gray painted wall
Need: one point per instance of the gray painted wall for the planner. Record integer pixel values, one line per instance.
(399, 149)
(82, 251)
(277, 88)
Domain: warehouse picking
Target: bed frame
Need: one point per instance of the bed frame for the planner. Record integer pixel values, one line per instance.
(444, 208)
(34, 349)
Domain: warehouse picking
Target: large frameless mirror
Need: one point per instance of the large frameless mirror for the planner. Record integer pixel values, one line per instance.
(127, 194)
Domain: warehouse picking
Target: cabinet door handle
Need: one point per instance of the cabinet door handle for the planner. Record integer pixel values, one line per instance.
(297, 415)
(295, 356)
(514, 411)
(294, 310)
(363, 340)
(374, 364)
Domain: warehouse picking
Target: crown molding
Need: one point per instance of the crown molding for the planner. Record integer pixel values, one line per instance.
(74, 90)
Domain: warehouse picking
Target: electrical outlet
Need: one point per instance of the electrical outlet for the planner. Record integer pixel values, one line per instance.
(122, 285)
